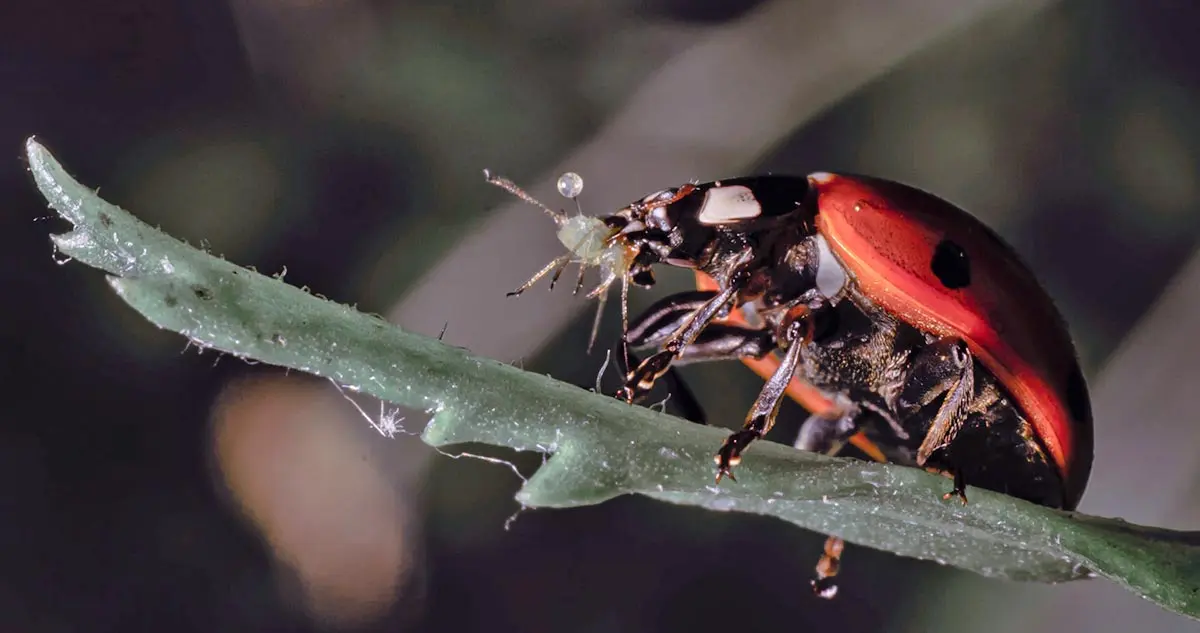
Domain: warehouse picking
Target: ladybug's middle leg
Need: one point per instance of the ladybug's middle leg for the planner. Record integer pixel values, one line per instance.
(796, 330)
(945, 369)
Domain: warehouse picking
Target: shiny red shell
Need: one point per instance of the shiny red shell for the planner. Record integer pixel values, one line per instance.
(885, 235)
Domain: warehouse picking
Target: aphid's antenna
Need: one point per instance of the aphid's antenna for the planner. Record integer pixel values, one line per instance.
(558, 216)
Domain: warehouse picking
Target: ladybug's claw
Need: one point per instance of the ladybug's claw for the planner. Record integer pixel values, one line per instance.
(957, 492)
(730, 454)
(960, 489)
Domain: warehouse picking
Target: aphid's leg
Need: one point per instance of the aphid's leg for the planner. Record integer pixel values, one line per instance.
(643, 377)
(603, 300)
(944, 369)
(797, 330)
(555, 263)
(558, 272)
(579, 279)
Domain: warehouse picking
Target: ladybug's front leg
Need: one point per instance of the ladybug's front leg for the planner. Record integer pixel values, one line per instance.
(944, 369)
(642, 378)
(683, 401)
(797, 329)
(717, 342)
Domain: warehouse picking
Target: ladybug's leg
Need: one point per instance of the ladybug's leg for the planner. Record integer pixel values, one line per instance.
(719, 341)
(827, 431)
(797, 329)
(642, 378)
(821, 434)
(682, 398)
(944, 369)
(665, 317)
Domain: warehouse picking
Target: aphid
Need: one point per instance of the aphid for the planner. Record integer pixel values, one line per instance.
(589, 243)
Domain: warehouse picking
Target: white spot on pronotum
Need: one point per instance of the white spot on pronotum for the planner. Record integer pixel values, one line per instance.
(821, 177)
(831, 277)
(729, 204)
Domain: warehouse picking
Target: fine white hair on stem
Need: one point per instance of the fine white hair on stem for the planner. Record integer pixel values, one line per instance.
(388, 424)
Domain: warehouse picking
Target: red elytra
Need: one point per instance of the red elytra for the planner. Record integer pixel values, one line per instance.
(885, 235)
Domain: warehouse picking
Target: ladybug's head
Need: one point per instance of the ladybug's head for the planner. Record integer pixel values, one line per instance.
(647, 231)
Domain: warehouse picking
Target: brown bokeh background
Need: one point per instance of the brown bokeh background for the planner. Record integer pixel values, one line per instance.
(148, 487)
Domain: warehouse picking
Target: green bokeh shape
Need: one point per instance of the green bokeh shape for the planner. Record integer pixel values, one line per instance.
(601, 448)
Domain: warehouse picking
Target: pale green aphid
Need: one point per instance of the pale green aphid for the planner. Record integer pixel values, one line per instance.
(589, 243)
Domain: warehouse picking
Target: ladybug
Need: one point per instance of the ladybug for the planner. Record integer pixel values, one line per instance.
(905, 326)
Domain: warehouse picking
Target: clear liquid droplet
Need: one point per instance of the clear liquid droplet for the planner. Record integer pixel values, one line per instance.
(570, 185)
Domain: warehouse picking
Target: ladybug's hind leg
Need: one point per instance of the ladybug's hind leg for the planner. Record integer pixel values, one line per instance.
(828, 431)
(828, 435)
(822, 434)
(945, 369)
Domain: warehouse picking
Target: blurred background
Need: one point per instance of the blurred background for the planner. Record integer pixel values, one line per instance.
(148, 487)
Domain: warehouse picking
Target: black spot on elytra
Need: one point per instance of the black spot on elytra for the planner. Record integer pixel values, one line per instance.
(171, 301)
(1078, 402)
(951, 265)
(105, 220)
(202, 293)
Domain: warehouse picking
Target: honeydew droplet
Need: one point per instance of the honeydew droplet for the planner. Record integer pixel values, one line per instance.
(570, 185)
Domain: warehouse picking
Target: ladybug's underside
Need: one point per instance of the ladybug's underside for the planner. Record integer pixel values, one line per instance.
(901, 379)
(890, 381)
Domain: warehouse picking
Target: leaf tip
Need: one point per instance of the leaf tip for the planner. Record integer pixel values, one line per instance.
(38, 157)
